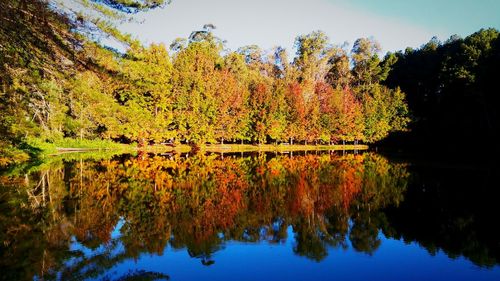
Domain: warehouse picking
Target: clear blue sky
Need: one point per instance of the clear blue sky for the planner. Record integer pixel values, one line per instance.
(396, 24)
(450, 16)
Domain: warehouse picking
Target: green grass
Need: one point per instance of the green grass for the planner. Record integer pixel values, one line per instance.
(67, 145)
(36, 149)
(42, 147)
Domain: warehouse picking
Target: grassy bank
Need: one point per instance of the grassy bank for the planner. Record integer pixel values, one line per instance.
(43, 148)
(35, 148)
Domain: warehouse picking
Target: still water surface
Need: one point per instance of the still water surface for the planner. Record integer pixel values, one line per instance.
(307, 216)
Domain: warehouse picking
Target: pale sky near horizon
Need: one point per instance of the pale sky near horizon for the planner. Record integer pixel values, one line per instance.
(396, 24)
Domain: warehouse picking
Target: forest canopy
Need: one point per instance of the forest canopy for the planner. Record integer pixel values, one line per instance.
(57, 83)
(451, 89)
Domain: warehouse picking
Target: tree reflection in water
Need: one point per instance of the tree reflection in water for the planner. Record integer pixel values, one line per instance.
(57, 220)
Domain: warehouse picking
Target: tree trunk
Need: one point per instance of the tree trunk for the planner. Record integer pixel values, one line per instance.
(222, 141)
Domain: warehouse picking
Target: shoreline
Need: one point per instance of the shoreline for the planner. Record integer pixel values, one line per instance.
(218, 148)
(42, 149)
(278, 148)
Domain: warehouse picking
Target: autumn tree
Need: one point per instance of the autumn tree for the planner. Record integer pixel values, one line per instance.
(232, 110)
(349, 117)
(57, 80)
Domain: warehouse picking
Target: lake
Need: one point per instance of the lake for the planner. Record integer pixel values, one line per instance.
(252, 216)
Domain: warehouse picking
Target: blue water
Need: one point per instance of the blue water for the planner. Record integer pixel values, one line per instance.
(306, 217)
(393, 260)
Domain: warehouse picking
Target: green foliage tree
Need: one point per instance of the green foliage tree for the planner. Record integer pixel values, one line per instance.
(450, 89)
(149, 75)
(57, 83)
(366, 62)
(194, 88)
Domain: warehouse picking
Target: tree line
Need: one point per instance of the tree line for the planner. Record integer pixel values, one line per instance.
(57, 83)
(451, 89)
